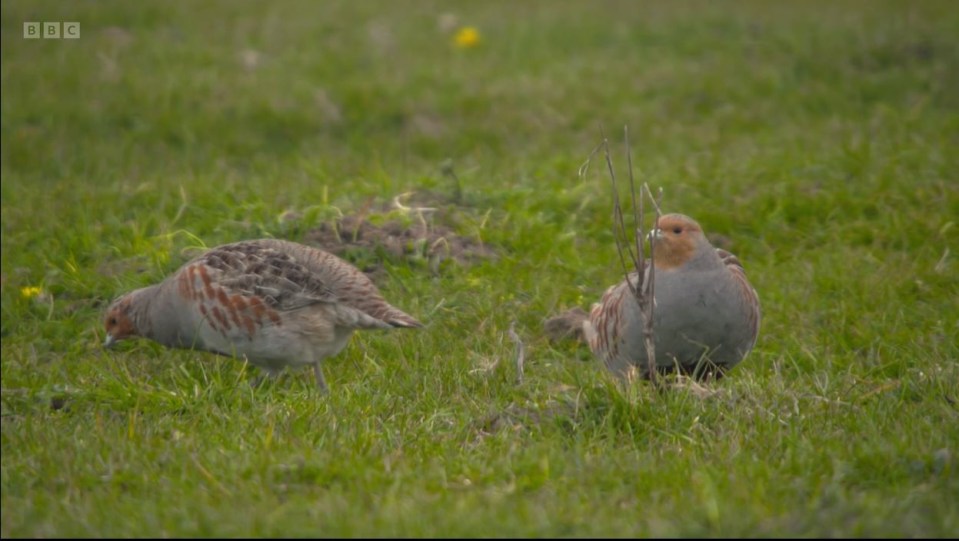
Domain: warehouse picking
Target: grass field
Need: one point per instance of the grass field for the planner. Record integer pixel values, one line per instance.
(819, 141)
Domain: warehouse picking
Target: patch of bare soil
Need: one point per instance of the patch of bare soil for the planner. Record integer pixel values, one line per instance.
(414, 237)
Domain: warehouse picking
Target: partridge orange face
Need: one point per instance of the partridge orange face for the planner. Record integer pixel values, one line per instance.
(118, 323)
(676, 238)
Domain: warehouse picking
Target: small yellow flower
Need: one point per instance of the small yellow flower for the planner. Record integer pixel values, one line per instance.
(466, 37)
(30, 292)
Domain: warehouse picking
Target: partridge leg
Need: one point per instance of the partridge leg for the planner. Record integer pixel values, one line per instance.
(320, 381)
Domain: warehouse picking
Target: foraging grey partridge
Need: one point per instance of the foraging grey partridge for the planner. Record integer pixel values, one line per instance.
(706, 314)
(276, 303)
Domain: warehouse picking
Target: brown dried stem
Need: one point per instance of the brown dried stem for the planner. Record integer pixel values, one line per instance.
(644, 290)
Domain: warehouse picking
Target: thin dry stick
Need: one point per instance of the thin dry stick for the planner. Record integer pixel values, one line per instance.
(644, 290)
(650, 306)
(637, 213)
(583, 169)
(619, 226)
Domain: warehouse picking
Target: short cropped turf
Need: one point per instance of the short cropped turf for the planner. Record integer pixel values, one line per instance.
(819, 141)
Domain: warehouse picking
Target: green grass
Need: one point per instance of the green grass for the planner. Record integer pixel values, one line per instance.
(819, 138)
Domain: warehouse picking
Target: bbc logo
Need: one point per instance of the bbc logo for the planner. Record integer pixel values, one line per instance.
(51, 30)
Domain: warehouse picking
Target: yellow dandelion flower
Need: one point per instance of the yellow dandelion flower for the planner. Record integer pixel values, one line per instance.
(466, 37)
(30, 292)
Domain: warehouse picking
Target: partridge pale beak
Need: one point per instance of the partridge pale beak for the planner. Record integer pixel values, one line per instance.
(655, 234)
(108, 343)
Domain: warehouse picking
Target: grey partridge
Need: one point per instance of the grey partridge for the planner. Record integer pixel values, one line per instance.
(276, 303)
(706, 314)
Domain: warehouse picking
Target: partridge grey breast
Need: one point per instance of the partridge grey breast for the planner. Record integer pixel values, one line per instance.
(706, 314)
(276, 303)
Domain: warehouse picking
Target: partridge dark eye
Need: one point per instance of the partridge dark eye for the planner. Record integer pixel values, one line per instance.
(112, 321)
(677, 230)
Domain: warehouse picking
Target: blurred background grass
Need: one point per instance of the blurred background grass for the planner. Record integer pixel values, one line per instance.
(817, 140)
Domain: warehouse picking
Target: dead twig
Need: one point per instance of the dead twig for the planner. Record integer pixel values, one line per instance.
(644, 289)
(619, 226)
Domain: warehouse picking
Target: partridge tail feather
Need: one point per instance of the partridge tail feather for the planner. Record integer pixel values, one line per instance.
(404, 321)
(394, 317)
(569, 324)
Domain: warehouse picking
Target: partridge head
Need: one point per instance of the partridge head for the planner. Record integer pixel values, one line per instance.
(275, 303)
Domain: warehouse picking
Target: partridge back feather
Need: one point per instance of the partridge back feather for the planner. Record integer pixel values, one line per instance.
(288, 276)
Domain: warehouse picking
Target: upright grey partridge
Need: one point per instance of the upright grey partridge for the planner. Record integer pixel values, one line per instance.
(706, 314)
(274, 302)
